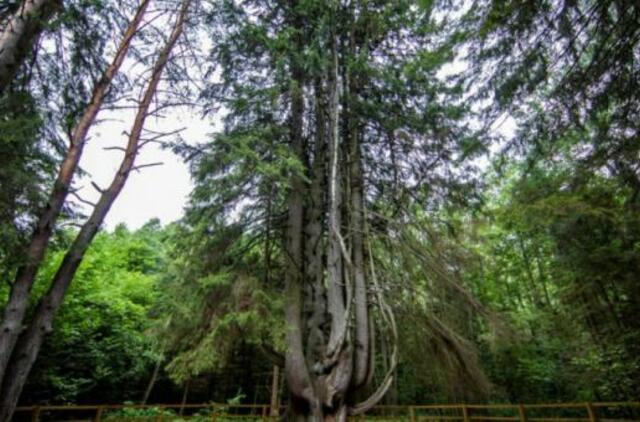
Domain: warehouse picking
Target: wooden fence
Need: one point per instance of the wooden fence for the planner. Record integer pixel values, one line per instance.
(217, 412)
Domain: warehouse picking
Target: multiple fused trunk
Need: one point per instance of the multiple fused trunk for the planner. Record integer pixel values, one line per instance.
(27, 343)
(20, 32)
(329, 360)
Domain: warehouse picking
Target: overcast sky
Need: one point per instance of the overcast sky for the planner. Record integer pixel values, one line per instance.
(160, 191)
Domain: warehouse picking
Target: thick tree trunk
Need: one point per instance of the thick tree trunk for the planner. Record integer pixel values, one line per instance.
(337, 284)
(29, 344)
(362, 340)
(339, 357)
(18, 36)
(356, 213)
(296, 370)
(16, 307)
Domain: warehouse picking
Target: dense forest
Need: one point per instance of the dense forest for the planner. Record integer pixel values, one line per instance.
(398, 202)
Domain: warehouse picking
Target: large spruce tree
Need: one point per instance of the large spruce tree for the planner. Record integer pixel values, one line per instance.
(338, 122)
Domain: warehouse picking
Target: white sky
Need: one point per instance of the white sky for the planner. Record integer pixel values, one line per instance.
(159, 191)
(153, 192)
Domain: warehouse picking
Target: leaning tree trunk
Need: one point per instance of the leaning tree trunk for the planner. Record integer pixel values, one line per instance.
(19, 34)
(16, 306)
(29, 344)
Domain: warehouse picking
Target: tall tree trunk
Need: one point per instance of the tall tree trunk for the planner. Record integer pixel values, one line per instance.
(16, 307)
(314, 247)
(329, 286)
(362, 343)
(336, 284)
(26, 351)
(19, 34)
(339, 290)
(296, 370)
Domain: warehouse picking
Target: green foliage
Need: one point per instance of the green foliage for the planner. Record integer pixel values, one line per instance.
(559, 234)
(212, 303)
(520, 288)
(558, 258)
(140, 414)
(100, 347)
(40, 107)
(25, 167)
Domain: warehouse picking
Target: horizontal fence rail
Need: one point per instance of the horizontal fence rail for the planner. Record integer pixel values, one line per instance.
(218, 412)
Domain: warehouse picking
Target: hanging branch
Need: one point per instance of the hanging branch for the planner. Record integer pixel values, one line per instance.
(389, 318)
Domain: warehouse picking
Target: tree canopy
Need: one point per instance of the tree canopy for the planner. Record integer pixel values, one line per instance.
(405, 202)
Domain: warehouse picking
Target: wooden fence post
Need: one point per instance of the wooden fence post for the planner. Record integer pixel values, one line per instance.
(214, 413)
(412, 414)
(465, 413)
(99, 410)
(35, 414)
(592, 413)
(160, 415)
(521, 411)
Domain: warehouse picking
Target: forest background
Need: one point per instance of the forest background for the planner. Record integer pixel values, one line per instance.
(515, 258)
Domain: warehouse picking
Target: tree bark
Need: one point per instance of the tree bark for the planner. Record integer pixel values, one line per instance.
(356, 213)
(296, 370)
(314, 247)
(17, 303)
(326, 276)
(339, 359)
(26, 351)
(18, 36)
(336, 300)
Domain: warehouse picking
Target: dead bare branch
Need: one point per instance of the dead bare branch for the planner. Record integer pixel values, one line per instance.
(141, 166)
